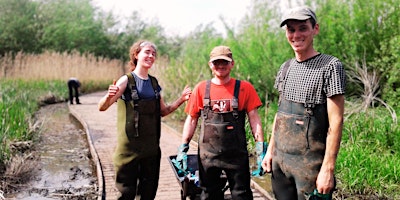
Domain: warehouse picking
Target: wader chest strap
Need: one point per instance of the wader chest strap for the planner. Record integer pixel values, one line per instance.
(134, 102)
(207, 101)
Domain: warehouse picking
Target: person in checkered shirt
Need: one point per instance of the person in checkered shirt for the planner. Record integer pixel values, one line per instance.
(308, 125)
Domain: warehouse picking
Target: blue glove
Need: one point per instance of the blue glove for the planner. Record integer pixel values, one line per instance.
(261, 150)
(180, 161)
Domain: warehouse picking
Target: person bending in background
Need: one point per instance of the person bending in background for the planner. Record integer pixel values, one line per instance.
(308, 126)
(140, 108)
(73, 86)
(222, 103)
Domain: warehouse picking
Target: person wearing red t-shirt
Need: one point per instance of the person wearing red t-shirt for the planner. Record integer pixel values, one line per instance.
(223, 103)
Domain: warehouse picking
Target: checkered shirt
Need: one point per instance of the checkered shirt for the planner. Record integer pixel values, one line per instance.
(313, 80)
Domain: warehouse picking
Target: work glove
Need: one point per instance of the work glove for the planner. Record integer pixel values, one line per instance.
(261, 149)
(180, 161)
(315, 195)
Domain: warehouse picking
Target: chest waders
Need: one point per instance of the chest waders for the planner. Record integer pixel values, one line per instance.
(222, 138)
(223, 146)
(137, 151)
(300, 139)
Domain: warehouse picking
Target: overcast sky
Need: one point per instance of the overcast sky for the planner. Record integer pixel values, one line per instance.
(179, 17)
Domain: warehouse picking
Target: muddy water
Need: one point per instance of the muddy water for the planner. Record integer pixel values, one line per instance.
(65, 168)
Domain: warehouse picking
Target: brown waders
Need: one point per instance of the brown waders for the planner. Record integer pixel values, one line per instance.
(222, 146)
(300, 138)
(137, 155)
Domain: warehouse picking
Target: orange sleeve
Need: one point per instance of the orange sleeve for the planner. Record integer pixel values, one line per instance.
(248, 97)
(195, 102)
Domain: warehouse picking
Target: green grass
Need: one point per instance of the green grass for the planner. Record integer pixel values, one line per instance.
(369, 158)
(19, 100)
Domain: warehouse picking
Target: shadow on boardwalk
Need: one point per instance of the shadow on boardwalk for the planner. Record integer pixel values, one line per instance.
(101, 131)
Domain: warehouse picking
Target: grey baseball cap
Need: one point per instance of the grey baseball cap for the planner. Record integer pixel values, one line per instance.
(298, 13)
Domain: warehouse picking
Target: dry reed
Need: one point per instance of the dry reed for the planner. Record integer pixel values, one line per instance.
(60, 66)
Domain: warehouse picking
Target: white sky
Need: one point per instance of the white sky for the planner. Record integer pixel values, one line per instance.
(180, 17)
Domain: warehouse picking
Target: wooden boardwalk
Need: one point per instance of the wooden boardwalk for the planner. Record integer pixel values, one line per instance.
(101, 131)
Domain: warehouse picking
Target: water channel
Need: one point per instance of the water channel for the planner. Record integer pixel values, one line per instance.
(65, 169)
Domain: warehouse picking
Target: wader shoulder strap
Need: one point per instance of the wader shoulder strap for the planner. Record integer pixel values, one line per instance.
(154, 83)
(134, 91)
(235, 100)
(206, 100)
(134, 103)
(282, 79)
(285, 69)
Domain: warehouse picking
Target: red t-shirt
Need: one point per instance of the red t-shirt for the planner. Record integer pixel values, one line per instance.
(221, 97)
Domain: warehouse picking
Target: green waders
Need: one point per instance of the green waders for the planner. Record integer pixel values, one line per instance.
(137, 155)
(300, 138)
(223, 146)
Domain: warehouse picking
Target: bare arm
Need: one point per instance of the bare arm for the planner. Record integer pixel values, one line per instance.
(267, 162)
(255, 124)
(167, 109)
(188, 129)
(114, 92)
(325, 179)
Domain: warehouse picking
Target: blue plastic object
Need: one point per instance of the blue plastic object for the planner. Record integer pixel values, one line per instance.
(261, 150)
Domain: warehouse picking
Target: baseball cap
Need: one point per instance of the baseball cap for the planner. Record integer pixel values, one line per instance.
(221, 52)
(298, 13)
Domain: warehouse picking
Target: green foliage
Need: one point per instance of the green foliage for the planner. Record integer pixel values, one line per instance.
(370, 155)
(192, 65)
(389, 66)
(18, 26)
(81, 32)
(256, 51)
(19, 100)
(363, 31)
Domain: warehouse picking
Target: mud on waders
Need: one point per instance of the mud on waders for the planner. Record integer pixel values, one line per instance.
(300, 138)
(133, 127)
(138, 152)
(223, 145)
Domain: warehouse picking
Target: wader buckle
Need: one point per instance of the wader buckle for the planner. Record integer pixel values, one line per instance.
(235, 106)
(308, 112)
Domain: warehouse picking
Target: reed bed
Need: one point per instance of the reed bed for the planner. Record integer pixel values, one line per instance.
(60, 66)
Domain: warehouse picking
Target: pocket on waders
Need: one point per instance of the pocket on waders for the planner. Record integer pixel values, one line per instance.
(291, 133)
(220, 137)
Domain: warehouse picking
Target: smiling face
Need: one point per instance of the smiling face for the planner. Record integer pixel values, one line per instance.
(300, 35)
(146, 56)
(221, 68)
